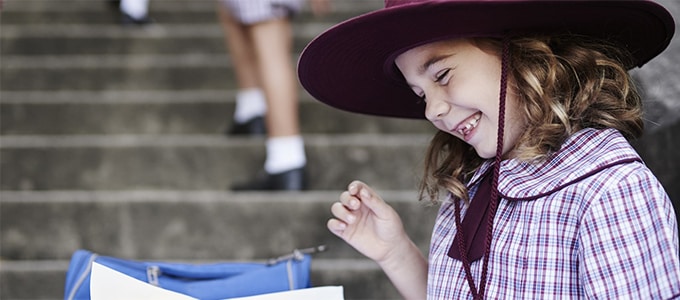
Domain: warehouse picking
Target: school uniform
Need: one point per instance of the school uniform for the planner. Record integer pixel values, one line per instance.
(254, 11)
(591, 222)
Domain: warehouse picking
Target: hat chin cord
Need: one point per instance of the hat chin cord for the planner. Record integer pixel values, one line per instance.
(493, 205)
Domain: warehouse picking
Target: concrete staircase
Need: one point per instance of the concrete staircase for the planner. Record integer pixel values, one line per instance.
(112, 141)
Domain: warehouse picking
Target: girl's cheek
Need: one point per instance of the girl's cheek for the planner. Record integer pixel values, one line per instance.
(438, 125)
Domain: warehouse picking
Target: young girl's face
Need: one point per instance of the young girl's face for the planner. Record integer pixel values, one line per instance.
(460, 84)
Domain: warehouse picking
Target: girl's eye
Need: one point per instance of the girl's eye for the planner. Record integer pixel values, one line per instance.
(442, 76)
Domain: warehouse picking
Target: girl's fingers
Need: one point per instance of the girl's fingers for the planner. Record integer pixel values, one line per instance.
(364, 194)
(354, 187)
(349, 201)
(360, 190)
(336, 226)
(341, 213)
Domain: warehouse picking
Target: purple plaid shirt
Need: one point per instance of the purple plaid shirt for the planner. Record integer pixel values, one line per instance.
(593, 222)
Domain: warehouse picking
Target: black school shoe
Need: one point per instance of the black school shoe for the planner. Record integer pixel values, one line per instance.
(293, 180)
(254, 127)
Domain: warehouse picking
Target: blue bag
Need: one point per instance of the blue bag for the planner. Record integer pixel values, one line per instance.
(202, 281)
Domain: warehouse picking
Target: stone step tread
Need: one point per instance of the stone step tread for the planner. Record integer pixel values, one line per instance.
(98, 16)
(199, 140)
(186, 113)
(175, 76)
(122, 97)
(97, 12)
(122, 162)
(178, 6)
(170, 225)
(96, 5)
(58, 46)
(113, 61)
(123, 45)
(65, 40)
(197, 197)
(307, 30)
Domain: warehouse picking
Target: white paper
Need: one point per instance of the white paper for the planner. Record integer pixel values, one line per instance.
(316, 293)
(109, 284)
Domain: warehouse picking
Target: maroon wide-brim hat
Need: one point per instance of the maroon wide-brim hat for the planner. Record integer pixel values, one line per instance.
(351, 65)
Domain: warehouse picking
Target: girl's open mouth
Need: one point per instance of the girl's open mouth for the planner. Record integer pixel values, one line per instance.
(465, 127)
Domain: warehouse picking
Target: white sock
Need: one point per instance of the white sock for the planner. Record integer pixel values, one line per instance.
(250, 103)
(137, 9)
(284, 154)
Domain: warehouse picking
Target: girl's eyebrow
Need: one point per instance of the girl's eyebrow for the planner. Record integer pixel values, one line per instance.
(433, 60)
(428, 63)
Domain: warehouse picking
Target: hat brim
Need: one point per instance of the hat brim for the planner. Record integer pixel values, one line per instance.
(351, 65)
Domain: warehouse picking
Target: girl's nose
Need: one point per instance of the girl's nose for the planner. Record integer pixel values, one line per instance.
(436, 108)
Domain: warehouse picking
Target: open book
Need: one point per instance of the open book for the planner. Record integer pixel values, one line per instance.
(109, 284)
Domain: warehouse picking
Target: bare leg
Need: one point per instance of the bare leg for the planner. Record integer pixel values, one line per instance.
(250, 104)
(269, 65)
(240, 47)
(273, 48)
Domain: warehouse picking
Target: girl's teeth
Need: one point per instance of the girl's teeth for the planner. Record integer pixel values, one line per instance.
(471, 124)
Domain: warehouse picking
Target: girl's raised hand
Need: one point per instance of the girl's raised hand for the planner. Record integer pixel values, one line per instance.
(366, 222)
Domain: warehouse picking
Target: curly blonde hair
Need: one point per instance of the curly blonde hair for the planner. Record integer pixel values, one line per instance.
(564, 84)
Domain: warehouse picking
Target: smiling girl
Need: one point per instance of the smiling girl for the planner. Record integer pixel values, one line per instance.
(543, 195)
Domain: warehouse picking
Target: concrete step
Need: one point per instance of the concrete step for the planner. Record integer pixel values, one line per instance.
(195, 162)
(163, 12)
(78, 39)
(166, 112)
(360, 278)
(185, 225)
(103, 12)
(117, 72)
(90, 27)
